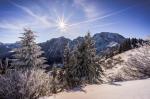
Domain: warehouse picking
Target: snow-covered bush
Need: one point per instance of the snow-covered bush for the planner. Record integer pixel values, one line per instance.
(111, 62)
(116, 77)
(30, 84)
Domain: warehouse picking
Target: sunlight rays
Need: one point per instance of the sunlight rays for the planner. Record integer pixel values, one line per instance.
(62, 21)
(61, 24)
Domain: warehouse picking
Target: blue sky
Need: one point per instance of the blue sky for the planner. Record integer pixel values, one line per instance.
(73, 18)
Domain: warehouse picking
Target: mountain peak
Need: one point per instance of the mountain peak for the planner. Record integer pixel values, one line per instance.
(108, 34)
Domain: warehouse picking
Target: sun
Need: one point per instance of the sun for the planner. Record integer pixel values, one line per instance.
(61, 24)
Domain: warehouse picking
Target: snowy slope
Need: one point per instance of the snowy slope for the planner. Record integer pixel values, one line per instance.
(138, 89)
(120, 72)
(124, 56)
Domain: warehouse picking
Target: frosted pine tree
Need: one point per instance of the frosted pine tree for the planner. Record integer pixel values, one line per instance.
(69, 61)
(64, 72)
(29, 54)
(87, 68)
(66, 56)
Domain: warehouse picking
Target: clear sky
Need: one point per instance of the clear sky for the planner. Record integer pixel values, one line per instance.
(73, 18)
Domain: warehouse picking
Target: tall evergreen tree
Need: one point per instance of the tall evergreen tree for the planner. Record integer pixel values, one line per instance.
(68, 62)
(66, 56)
(87, 68)
(66, 68)
(29, 54)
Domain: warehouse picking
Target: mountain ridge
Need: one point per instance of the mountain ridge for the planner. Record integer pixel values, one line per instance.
(54, 47)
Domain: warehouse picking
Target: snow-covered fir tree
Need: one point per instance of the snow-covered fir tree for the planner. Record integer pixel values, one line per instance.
(66, 56)
(68, 62)
(87, 68)
(66, 68)
(29, 54)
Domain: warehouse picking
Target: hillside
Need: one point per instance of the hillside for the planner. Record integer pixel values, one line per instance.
(134, 89)
(124, 56)
(134, 65)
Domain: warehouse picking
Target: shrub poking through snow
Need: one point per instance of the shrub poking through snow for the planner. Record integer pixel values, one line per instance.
(29, 84)
(117, 77)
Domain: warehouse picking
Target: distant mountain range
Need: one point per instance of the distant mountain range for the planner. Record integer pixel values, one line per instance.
(54, 48)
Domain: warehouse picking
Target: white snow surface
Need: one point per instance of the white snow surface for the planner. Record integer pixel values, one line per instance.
(137, 89)
(112, 44)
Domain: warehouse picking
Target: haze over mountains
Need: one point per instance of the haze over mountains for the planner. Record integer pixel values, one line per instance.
(53, 48)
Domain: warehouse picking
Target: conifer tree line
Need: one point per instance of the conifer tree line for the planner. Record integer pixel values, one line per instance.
(130, 44)
(127, 44)
(80, 65)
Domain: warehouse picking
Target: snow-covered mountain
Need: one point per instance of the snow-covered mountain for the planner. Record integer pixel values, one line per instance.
(106, 39)
(54, 48)
(6, 49)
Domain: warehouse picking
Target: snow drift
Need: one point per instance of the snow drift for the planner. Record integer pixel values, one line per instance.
(138, 89)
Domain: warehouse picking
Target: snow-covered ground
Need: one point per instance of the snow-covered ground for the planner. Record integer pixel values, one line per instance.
(138, 89)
